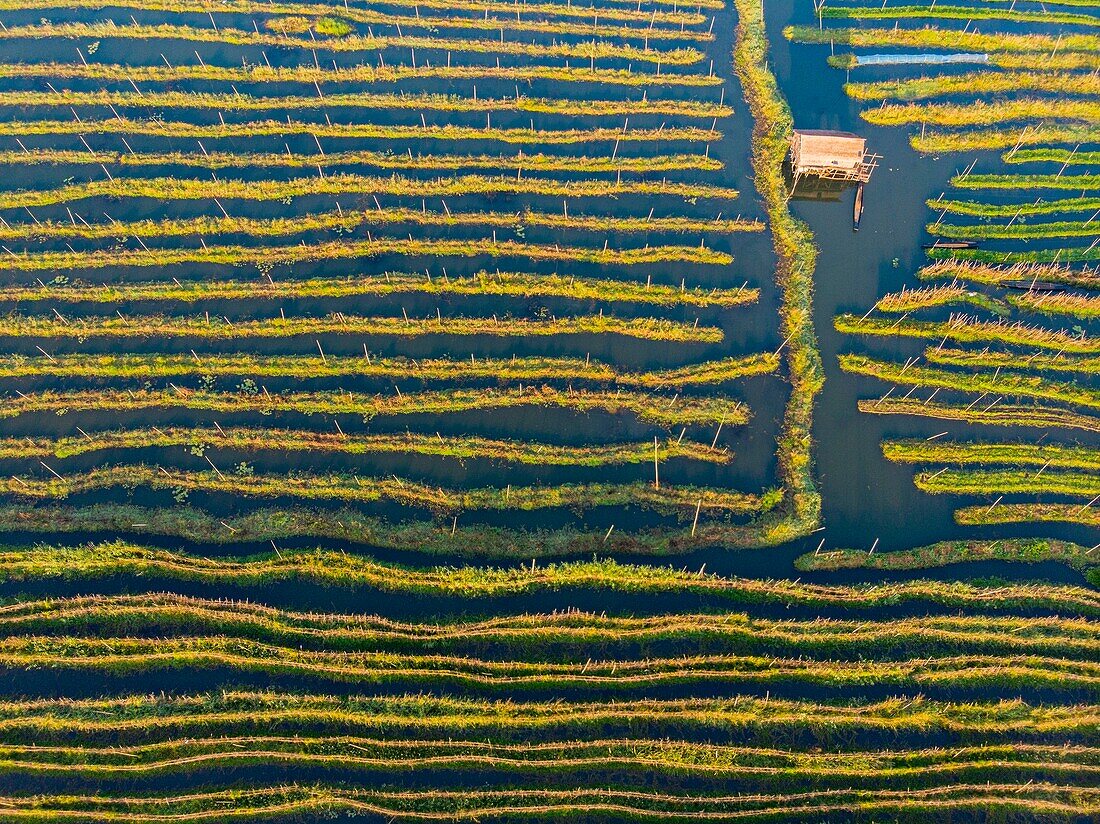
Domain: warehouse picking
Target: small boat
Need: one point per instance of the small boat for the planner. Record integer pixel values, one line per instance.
(951, 244)
(857, 212)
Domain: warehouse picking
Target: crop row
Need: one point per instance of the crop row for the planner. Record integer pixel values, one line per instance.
(1037, 362)
(1086, 45)
(169, 327)
(1019, 273)
(168, 188)
(965, 329)
(587, 50)
(975, 83)
(457, 447)
(655, 409)
(971, 13)
(564, 635)
(361, 73)
(1003, 384)
(417, 102)
(1003, 513)
(87, 563)
(156, 127)
(146, 366)
(350, 221)
(1016, 210)
(353, 488)
(935, 142)
(991, 414)
(123, 657)
(511, 284)
(986, 453)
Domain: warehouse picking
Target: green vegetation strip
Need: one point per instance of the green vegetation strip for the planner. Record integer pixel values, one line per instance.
(796, 257)
(986, 453)
(538, 162)
(243, 365)
(441, 537)
(200, 327)
(268, 256)
(569, 634)
(970, 331)
(945, 553)
(457, 447)
(361, 73)
(1043, 417)
(973, 482)
(1016, 231)
(1027, 513)
(350, 221)
(655, 409)
(995, 386)
(1038, 46)
(170, 188)
(1031, 799)
(340, 569)
(1082, 182)
(134, 656)
(946, 12)
(337, 21)
(980, 113)
(511, 284)
(1039, 207)
(1078, 254)
(226, 101)
(1058, 303)
(348, 488)
(976, 83)
(639, 757)
(910, 300)
(936, 142)
(176, 129)
(1019, 273)
(587, 50)
(1052, 155)
(1037, 362)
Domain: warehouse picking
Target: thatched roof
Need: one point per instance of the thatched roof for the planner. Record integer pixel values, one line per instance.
(812, 148)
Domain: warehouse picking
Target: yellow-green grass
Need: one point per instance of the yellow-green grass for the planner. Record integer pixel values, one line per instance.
(984, 453)
(630, 756)
(116, 558)
(996, 386)
(349, 488)
(796, 257)
(1028, 513)
(361, 73)
(586, 50)
(1078, 182)
(416, 102)
(970, 13)
(1036, 362)
(512, 284)
(347, 221)
(1040, 206)
(910, 300)
(458, 447)
(169, 188)
(976, 83)
(366, 130)
(164, 326)
(967, 330)
(339, 18)
(128, 657)
(989, 414)
(445, 536)
(996, 275)
(538, 162)
(1058, 303)
(651, 408)
(981, 113)
(1008, 482)
(945, 553)
(266, 257)
(1037, 46)
(1065, 254)
(936, 142)
(145, 366)
(1016, 231)
(569, 634)
(1050, 154)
